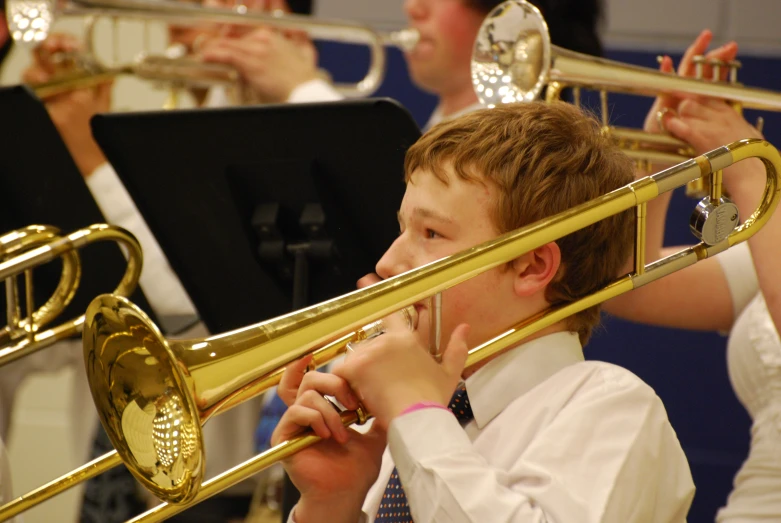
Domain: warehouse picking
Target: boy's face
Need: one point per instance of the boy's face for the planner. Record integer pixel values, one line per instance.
(448, 29)
(437, 220)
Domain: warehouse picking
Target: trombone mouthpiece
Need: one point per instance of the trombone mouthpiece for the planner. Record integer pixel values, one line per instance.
(410, 315)
(378, 327)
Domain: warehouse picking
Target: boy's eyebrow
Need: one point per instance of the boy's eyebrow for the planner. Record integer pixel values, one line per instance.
(422, 212)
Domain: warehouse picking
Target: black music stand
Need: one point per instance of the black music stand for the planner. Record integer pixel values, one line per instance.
(264, 210)
(40, 184)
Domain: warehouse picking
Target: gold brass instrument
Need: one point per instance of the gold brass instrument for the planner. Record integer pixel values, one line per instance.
(23, 250)
(30, 21)
(112, 459)
(514, 61)
(153, 394)
(172, 69)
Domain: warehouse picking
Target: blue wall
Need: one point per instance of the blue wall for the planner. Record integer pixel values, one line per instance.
(687, 369)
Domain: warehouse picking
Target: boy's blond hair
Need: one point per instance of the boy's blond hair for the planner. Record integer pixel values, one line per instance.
(544, 159)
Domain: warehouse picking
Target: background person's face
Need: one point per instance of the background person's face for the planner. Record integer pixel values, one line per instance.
(441, 63)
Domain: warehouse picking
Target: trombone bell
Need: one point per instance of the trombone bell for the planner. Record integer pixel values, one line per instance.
(139, 377)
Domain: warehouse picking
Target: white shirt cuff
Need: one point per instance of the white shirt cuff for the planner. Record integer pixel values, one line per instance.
(317, 90)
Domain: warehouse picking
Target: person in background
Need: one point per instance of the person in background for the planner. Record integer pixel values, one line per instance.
(738, 291)
(272, 66)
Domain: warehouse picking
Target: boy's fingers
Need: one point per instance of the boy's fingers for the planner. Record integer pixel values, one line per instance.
(297, 417)
(291, 380)
(329, 414)
(330, 385)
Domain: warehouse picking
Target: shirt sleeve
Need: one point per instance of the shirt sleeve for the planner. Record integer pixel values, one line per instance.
(608, 455)
(738, 267)
(158, 281)
(315, 91)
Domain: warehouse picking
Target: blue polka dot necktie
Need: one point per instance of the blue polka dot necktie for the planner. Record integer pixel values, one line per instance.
(393, 506)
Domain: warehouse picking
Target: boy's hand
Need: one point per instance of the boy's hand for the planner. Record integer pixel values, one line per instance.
(395, 371)
(334, 475)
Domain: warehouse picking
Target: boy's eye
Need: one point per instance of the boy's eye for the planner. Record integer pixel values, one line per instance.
(431, 234)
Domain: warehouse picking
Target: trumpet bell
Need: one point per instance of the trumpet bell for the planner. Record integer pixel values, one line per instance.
(512, 55)
(143, 397)
(30, 21)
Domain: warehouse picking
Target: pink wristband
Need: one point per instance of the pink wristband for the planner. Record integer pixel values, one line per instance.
(423, 405)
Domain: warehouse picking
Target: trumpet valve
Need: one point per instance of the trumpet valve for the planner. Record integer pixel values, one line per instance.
(716, 67)
(734, 65)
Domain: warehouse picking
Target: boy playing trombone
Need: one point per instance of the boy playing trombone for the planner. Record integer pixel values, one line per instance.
(534, 433)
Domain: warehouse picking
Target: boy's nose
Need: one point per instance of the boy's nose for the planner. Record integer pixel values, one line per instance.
(394, 261)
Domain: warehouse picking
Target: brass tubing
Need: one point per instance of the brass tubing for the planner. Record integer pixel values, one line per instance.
(420, 283)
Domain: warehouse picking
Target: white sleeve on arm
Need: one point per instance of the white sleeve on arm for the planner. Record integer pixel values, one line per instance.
(608, 455)
(315, 91)
(158, 281)
(738, 267)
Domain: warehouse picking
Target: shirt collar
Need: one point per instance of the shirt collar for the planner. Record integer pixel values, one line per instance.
(516, 372)
(438, 117)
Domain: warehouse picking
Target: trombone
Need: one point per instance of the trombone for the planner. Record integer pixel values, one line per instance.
(29, 21)
(23, 250)
(153, 394)
(514, 61)
(150, 391)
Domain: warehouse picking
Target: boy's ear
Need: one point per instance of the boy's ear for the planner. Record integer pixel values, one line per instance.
(535, 270)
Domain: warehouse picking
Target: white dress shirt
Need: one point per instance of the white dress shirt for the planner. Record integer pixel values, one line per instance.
(555, 439)
(754, 365)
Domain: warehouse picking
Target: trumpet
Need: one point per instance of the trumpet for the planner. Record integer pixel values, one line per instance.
(29, 21)
(514, 61)
(171, 68)
(30, 247)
